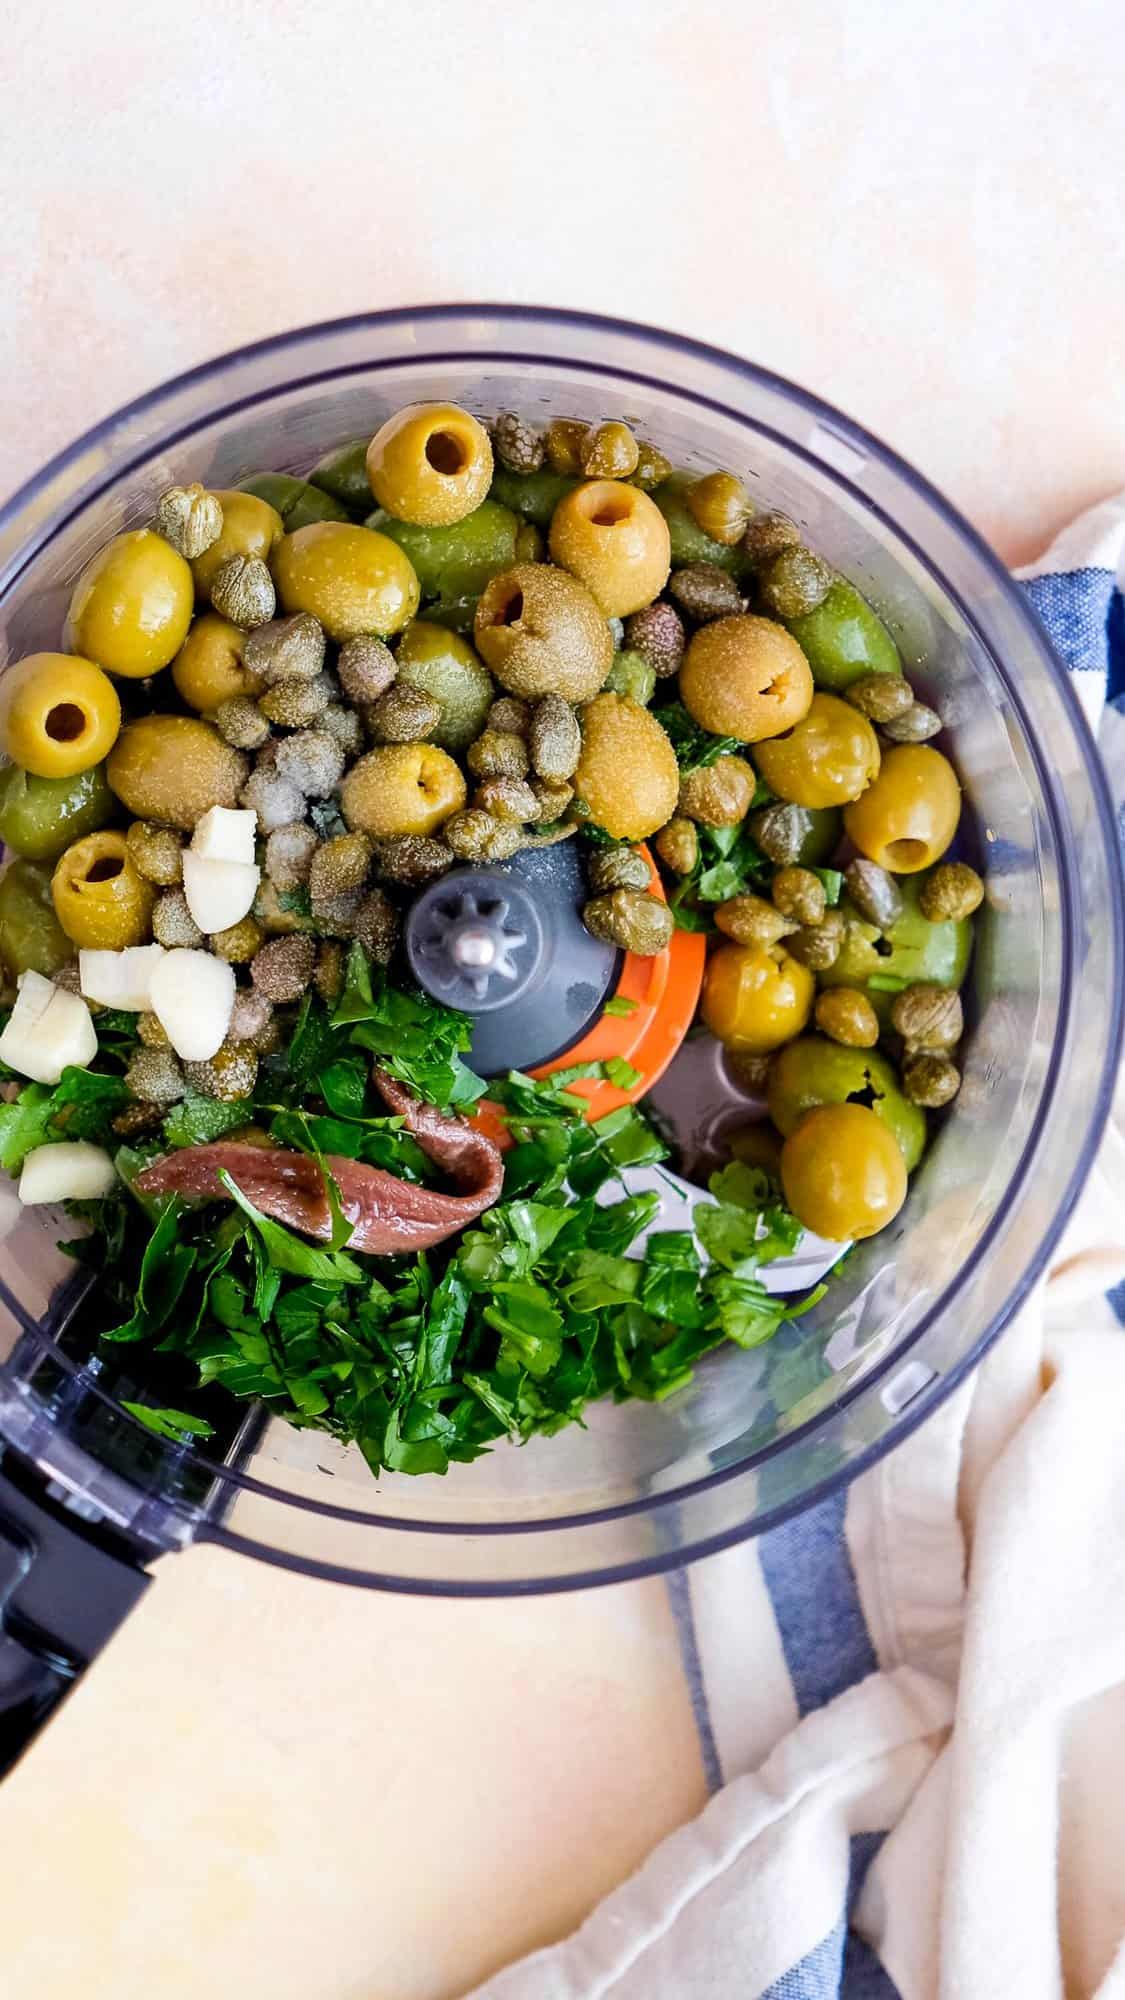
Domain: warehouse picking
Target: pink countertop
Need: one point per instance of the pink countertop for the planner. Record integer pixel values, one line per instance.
(270, 1787)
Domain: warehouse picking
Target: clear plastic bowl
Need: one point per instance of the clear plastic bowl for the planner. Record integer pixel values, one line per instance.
(762, 1434)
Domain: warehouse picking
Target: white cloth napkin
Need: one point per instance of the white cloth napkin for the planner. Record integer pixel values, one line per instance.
(912, 1704)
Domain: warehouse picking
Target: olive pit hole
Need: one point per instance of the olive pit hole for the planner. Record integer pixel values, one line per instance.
(513, 609)
(609, 512)
(65, 722)
(105, 868)
(868, 1097)
(906, 853)
(884, 948)
(446, 453)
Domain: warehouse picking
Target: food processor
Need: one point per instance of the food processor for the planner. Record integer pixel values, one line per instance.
(90, 1498)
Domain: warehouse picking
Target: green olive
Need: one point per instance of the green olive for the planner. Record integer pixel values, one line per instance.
(755, 997)
(31, 936)
(815, 1071)
(41, 816)
(131, 607)
(342, 474)
(101, 899)
(533, 495)
(910, 950)
(173, 768)
(690, 543)
(442, 665)
(827, 759)
(843, 639)
(842, 1174)
(909, 814)
(353, 580)
(295, 500)
(456, 561)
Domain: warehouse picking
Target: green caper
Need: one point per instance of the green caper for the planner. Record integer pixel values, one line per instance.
(916, 724)
(617, 868)
(705, 591)
(631, 920)
(554, 739)
(818, 946)
(880, 696)
(951, 893)
(846, 1016)
(929, 1018)
(476, 835)
(930, 1080)
(412, 858)
(509, 714)
(718, 794)
(767, 537)
(657, 634)
(404, 714)
(875, 893)
(751, 920)
(798, 893)
(552, 799)
(631, 675)
(508, 798)
(498, 753)
(781, 831)
(243, 591)
(677, 844)
(190, 518)
(517, 444)
(288, 649)
(156, 852)
(795, 582)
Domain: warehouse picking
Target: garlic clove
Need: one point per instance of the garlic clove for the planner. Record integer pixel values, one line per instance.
(226, 834)
(219, 893)
(193, 999)
(120, 978)
(47, 1035)
(71, 1171)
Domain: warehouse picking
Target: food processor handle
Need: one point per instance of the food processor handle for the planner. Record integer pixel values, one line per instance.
(65, 1587)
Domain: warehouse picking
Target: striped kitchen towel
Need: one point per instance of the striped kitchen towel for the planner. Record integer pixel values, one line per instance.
(911, 1699)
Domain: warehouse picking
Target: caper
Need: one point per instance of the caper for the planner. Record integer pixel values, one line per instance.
(799, 893)
(509, 714)
(751, 920)
(880, 696)
(720, 505)
(241, 723)
(677, 844)
(238, 943)
(846, 1016)
(928, 1017)
(930, 1080)
(657, 634)
(476, 835)
(631, 675)
(652, 468)
(498, 753)
(874, 892)
(552, 799)
(718, 794)
(565, 439)
(508, 798)
(328, 976)
(412, 858)
(768, 537)
(617, 868)
(366, 668)
(243, 592)
(339, 866)
(286, 649)
(156, 852)
(155, 1076)
(554, 739)
(781, 832)
(951, 893)
(517, 444)
(794, 583)
(403, 714)
(818, 946)
(230, 1074)
(705, 591)
(190, 518)
(916, 724)
(297, 704)
(283, 968)
(376, 926)
(609, 452)
(631, 920)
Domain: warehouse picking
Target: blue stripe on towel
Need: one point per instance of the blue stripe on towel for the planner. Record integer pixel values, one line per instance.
(812, 1587)
(1074, 607)
(679, 1598)
(841, 1966)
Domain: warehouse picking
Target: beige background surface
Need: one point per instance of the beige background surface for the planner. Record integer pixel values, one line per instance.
(272, 1788)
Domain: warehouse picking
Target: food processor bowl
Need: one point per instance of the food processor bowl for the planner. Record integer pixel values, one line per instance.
(759, 1434)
